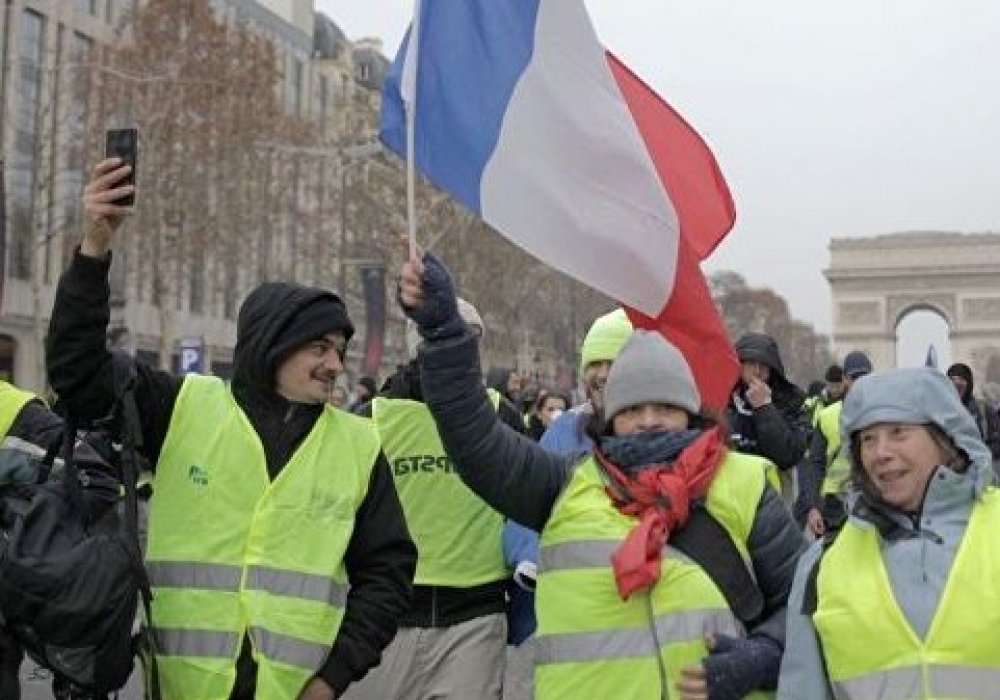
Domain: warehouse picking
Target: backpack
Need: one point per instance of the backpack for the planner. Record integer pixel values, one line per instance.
(70, 583)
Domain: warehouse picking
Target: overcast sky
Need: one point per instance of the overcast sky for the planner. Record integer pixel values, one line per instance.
(852, 118)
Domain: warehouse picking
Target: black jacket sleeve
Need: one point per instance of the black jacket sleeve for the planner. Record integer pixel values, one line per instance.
(991, 428)
(775, 544)
(781, 434)
(509, 471)
(80, 366)
(380, 560)
(817, 464)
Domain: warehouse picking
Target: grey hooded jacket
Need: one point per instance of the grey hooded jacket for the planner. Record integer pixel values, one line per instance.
(917, 549)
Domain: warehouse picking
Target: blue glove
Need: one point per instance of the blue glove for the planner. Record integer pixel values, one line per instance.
(437, 317)
(735, 668)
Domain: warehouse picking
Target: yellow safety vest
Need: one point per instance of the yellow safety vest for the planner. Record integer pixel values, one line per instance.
(12, 400)
(838, 466)
(872, 652)
(458, 536)
(232, 553)
(591, 643)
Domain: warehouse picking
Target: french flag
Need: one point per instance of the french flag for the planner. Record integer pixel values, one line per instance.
(524, 117)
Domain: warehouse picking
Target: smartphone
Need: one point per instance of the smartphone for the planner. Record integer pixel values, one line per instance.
(123, 143)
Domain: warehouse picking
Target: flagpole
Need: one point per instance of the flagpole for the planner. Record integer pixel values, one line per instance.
(410, 93)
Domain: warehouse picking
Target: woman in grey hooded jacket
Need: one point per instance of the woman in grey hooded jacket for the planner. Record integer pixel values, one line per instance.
(902, 602)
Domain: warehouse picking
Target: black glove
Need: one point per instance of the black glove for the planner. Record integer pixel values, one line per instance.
(735, 668)
(437, 317)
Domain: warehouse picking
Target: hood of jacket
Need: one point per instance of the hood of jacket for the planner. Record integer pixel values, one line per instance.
(269, 323)
(918, 395)
(760, 347)
(962, 370)
(498, 378)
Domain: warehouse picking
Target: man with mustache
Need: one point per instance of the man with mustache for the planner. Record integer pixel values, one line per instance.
(277, 550)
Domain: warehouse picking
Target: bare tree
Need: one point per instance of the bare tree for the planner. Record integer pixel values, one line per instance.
(46, 166)
(805, 353)
(210, 210)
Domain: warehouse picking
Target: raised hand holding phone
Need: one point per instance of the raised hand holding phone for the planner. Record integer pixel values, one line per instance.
(124, 144)
(110, 194)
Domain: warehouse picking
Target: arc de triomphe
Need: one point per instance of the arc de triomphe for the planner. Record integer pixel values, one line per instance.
(875, 282)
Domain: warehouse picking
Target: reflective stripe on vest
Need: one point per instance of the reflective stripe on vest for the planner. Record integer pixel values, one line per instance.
(943, 681)
(870, 649)
(288, 650)
(222, 577)
(232, 553)
(591, 643)
(195, 642)
(12, 400)
(587, 554)
(459, 537)
(673, 628)
(838, 466)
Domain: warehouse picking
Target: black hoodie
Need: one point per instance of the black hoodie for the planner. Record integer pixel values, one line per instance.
(380, 557)
(986, 416)
(777, 431)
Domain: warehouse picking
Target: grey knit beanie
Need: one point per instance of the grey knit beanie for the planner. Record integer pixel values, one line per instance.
(650, 369)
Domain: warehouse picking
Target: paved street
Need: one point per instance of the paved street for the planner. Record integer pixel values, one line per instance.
(38, 686)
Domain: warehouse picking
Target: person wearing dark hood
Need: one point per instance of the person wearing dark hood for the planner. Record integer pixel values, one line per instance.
(902, 602)
(452, 639)
(277, 550)
(766, 412)
(986, 416)
(507, 382)
(622, 612)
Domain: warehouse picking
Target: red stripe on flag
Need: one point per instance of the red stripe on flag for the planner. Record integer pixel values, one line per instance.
(706, 213)
(692, 323)
(684, 162)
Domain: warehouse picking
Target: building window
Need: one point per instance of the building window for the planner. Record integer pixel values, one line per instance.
(324, 103)
(77, 87)
(87, 7)
(8, 349)
(25, 161)
(230, 290)
(364, 71)
(196, 284)
(296, 87)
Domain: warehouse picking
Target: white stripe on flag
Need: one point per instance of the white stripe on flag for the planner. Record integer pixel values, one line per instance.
(408, 80)
(571, 180)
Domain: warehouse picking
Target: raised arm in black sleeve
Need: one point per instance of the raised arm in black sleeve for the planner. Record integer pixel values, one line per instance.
(79, 364)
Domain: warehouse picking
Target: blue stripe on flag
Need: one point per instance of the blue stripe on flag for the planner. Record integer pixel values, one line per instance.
(472, 55)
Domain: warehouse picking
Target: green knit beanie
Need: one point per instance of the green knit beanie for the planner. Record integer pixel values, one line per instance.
(605, 338)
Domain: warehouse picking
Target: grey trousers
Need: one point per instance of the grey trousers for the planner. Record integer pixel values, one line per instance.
(518, 682)
(461, 662)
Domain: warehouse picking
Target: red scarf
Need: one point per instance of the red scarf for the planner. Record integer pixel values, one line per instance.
(660, 496)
